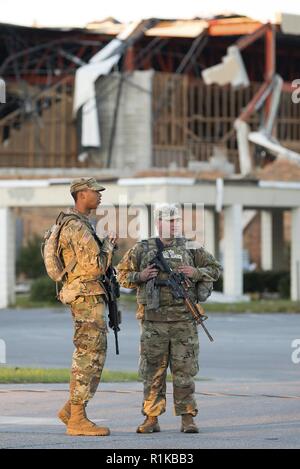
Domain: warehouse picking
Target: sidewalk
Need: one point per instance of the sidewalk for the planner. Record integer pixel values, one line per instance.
(231, 415)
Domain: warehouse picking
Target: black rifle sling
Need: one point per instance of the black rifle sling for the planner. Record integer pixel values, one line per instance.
(160, 247)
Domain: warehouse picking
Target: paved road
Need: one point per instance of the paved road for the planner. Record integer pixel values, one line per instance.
(232, 415)
(247, 346)
(250, 400)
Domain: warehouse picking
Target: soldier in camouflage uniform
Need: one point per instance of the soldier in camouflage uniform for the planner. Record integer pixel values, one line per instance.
(169, 335)
(84, 292)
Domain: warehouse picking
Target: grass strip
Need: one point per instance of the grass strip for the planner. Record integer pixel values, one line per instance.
(258, 306)
(9, 375)
(129, 302)
(16, 375)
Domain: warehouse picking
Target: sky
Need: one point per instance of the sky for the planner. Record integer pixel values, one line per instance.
(72, 13)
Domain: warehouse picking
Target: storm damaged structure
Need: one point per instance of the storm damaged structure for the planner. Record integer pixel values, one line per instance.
(181, 110)
(154, 110)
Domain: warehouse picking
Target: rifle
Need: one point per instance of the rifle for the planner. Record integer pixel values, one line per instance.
(179, 283)
(112, 288)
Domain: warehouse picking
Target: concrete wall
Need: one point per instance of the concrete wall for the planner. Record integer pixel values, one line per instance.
(132, 147)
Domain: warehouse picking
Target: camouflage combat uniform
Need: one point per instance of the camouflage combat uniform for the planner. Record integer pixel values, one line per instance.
(169, 336)
(85, 294)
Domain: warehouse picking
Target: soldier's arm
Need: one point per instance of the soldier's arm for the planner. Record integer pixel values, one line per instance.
(128, 270)
(207, 267)
(85, 249)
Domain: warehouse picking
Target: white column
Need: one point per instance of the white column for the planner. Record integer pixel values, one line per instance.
(7, 257)
(272, 240)
(233, 251)
(295, 255)
(266, 240)
(211, 232)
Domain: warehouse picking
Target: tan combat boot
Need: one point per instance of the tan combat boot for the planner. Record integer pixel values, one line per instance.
(150, 425)
(65, 413)
(188, 425)
(79, 425)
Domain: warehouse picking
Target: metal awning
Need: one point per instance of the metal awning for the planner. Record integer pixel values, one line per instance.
(180, 28)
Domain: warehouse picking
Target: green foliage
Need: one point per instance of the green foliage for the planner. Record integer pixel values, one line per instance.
(30, 262)
(263, 282)
(284, 286)
(43, 289)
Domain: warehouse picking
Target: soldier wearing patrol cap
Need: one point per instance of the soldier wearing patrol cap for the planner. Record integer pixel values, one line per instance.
(169, 334)
(84, 292)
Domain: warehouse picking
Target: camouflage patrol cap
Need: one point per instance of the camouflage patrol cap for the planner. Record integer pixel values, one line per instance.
(82, 184)
(167, 212)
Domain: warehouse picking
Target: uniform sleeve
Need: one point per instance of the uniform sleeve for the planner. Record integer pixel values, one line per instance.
(128, 269)
(86, 249)
(208, 268)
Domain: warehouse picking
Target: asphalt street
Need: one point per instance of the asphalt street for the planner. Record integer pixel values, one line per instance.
(246, 347)
(231, 415)
(249, 395)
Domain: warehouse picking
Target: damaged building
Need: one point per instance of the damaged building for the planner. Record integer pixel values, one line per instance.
(153, 107)
(205, 100)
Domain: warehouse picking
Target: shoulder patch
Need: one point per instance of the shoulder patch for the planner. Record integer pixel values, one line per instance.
(86, 237)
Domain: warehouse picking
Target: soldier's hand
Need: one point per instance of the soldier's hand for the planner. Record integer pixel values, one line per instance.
(112, 237)
(187, 270)
(148, 273)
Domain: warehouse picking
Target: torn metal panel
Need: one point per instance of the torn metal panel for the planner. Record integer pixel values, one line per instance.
(84, 96)
(86, 76)
(264, 136)
(290, 23)
(232, 70)
(273, 146)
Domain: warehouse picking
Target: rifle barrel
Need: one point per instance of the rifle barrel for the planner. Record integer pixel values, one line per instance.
(206, 331)
(198, 318)
(116, 341)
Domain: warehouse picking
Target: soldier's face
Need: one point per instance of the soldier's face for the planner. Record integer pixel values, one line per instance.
(168, 229)
(91, 199)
